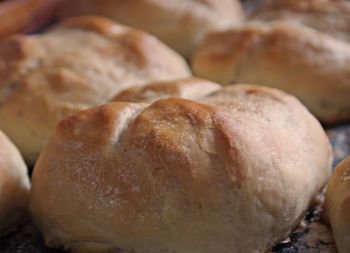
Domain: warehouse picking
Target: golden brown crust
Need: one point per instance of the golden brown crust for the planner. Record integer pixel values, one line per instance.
(48, 76)
(179, 23)
(190, 88)
(14, 185)
(294, 58)
(328, 16)
(181, 176)
(337, 205)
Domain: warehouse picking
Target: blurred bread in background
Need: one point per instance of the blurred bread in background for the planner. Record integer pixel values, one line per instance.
(23, 16)
(328, 16)
(181, 24)
(81, 63)
(295, 58)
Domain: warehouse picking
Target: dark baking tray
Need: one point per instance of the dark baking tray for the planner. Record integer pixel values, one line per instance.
(312, 237)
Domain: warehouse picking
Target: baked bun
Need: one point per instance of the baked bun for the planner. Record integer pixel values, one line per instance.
(310, 65)
(232, 172)
(337, 205)
(190, 88)
(81, 63)
(329, 16)
(179, 23)
(14, 185)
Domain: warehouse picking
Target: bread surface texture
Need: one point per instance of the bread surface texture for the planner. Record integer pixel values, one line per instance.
(337, 205)
(310, 65)
(81, 63)
(14, 185)
(230, 172)
(181, 24)
(328, 16)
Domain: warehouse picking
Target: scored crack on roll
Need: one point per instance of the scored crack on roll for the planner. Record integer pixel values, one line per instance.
(81, 63)
(300, 60)
(233, 171)
(189, 88)
(337, 205)
(14, 185)
(181, 24)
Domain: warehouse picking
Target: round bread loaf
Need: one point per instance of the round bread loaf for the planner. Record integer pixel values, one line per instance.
(81, 63)
(190, 88)
(310, 65)
(14, 185)
(329, 16)
(337, 205)
(179, 23)
(232, 172)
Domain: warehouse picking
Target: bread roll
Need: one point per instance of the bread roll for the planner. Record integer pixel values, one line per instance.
(312, 66)
(328, 16)
(81, 63)
(337, 205)
(190, 88)
(179, 23)
(232, 172)
(14, 185)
